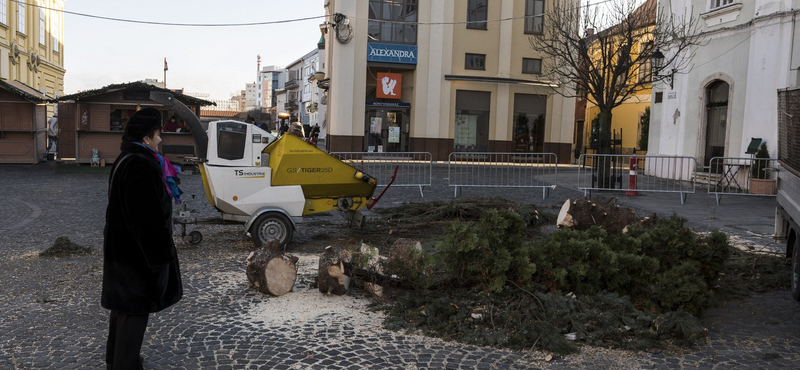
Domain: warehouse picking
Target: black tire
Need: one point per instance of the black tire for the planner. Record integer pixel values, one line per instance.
(796, 269)
(195, 237)
(271, 226)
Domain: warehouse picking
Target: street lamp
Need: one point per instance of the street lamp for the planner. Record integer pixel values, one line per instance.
(658, 65)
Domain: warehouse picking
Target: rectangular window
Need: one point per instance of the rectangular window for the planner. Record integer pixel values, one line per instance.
(392, 22)
(42, 35)
(720, 3)
(532, 66)
(3, 9)
(529, 113)
(54, 29)
(475, 61)
(477, 14)
(471, 131)
(646, 71)
(622, 81)
(21, 17)
(534, 16)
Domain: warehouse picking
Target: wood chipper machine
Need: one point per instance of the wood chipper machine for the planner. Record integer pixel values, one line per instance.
(265, 182)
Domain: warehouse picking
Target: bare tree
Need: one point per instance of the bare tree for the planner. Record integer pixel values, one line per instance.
(615, 64)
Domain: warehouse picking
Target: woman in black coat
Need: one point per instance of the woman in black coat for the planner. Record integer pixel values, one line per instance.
(140, 264)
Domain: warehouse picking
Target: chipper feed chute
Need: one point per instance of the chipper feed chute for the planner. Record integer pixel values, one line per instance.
(327, 182)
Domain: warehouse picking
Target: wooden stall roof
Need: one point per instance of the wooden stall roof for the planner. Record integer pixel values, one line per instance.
(187, 99)
(25, 92)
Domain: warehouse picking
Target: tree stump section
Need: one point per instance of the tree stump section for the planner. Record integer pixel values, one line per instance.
(330, 276)
(270, 270)
(372, 263)
(404, 251)
(581, 214)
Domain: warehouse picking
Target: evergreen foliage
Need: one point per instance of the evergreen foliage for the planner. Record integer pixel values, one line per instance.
(636, 290)
(490, 251)
(640, 289)
(644, 124)
(664, 268)
(761, 163)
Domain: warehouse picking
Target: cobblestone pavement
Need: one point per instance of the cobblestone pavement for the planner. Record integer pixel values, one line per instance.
(51, 317)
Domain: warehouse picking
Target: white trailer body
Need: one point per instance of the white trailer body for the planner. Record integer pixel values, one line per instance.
(787, 213)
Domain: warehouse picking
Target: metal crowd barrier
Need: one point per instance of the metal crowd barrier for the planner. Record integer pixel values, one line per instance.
(503, 170)
(413, 168)
(741, 176)
(637, 173)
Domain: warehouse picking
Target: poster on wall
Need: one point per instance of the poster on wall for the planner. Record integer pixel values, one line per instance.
(466, 132)
(394, 134)
(375, 125)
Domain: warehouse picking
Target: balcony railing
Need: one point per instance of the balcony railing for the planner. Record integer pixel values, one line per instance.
(291, 84)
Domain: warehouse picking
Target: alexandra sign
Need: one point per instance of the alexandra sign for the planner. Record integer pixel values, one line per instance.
(391, 53)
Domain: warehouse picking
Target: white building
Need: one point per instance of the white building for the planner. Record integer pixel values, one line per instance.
(251, 96)
(270, 78)
(728, 93)
(312, 110)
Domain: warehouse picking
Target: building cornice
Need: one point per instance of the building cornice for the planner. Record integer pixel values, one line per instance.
(502, 80)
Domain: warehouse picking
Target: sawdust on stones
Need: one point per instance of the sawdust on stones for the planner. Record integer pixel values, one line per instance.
(304, 304)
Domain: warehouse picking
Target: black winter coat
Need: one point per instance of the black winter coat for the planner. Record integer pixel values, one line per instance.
(140, 263)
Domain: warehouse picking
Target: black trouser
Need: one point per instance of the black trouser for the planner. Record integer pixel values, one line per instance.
(51, 140)
(125, 336)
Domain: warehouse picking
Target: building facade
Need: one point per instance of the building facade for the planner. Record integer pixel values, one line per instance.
(31, 75)
(749, 50)
(251, 96)
(270, 78)
(31, 44)
(293, 89)
(626, 120)
(442, 77)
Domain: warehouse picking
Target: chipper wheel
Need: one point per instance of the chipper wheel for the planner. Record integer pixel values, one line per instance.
(269, 226)
(194, 237)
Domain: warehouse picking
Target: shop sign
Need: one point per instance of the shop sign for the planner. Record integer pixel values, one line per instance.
(387, 104)
(389, 85)
(391, 53)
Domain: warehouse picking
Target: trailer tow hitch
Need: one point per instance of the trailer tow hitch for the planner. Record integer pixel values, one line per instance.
(375, 201)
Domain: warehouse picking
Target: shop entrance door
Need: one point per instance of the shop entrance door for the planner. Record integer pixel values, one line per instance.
(386, 129)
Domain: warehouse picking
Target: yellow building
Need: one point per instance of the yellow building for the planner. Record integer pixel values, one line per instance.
(626, 118)
(625, 121)
(31, 75)
(31, 44)
(441, 77)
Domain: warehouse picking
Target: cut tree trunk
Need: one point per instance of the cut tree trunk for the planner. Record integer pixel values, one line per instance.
(372, 262)
(582, 214)
(330, 276)
(271, 270)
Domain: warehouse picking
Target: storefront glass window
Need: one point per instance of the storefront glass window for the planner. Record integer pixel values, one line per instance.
(471, 131)
(387, 130)
(529, 114)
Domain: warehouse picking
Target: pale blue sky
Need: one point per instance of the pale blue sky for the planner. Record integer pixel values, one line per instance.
(215, 60)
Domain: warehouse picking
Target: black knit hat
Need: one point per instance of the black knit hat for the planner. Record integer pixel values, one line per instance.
(142, 123)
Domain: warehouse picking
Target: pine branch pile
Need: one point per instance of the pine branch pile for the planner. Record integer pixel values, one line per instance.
(639, 289)
(425, 220)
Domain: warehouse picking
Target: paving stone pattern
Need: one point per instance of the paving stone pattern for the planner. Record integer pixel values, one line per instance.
(51, 317)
